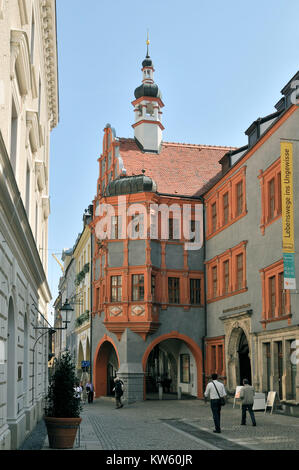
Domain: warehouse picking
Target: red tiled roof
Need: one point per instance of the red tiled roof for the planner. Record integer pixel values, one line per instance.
(178, 168)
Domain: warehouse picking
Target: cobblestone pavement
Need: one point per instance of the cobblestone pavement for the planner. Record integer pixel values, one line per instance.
(179, 425)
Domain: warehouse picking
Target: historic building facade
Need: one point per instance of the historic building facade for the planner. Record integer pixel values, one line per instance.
(82, 301)
(65, 337)
(73, 325)
(252, 321)
(148, 288)
(165, 313)
(28, 112)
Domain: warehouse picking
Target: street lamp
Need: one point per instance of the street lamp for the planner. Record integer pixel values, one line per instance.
(66, 308)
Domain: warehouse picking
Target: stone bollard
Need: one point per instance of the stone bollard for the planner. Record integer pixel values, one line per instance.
(179, 393)
(160, 392)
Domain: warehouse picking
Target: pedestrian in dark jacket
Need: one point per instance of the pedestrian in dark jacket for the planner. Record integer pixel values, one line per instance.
(89, 391)
(247, 397)
(118, 390)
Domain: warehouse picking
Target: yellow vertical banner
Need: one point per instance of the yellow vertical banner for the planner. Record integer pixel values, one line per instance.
(287, 200)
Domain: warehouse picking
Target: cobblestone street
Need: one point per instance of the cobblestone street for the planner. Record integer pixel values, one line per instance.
(175, 425)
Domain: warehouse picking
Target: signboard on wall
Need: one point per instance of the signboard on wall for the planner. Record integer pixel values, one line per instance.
(289, 271)
(287, 209)
(85, 363)
(287, 200)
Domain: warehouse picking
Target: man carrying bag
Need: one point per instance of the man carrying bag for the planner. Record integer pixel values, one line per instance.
(215, 390)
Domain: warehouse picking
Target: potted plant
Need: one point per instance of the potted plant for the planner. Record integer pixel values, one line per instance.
(62, 409)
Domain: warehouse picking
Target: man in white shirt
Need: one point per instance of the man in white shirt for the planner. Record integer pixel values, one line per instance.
(215, 390)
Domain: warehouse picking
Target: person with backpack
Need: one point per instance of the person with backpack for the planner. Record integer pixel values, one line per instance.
(118, 390)
(215, 390)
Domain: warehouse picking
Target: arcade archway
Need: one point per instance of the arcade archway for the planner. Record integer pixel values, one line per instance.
(173, 362)
(106, 363)
(238, 353)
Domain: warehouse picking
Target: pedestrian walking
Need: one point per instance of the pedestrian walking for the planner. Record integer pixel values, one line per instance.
(78, 391)
(89, 391)
(118, 390)
(83, 395)
(247, 397)
(215, 390)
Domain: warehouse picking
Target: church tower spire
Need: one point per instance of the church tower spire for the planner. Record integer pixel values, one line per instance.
(147, 108)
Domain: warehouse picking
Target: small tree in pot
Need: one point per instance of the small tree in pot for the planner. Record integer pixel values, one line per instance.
(62, 409)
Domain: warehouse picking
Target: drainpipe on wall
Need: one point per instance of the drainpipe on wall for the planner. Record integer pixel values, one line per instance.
(205, 304)
(91, 306)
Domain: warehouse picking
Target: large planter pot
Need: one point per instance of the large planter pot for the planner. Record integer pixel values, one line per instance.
(62, 432)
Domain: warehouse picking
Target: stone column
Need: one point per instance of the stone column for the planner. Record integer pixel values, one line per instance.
(132, 375)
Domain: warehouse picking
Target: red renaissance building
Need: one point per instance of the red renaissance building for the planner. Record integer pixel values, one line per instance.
(149, 293)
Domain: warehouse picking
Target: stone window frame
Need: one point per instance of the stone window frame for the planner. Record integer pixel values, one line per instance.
(138, 285)
(218, 261)
(229, 187)
(174, 289)
(118, 288)
(20, 67)
(265, 177)
(266, 274)
(219, 344)
(194, 290)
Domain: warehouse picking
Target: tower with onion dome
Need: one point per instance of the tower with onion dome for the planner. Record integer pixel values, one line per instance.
(147, 107)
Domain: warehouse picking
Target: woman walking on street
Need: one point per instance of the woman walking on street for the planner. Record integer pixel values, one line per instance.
(118, 389)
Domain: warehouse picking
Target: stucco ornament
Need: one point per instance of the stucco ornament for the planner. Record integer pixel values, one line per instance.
(115, 311)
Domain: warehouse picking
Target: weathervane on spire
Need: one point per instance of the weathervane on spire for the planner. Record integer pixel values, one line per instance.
(147, 44)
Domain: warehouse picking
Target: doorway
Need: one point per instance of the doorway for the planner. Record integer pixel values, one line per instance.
(244, 359)
(111, 374)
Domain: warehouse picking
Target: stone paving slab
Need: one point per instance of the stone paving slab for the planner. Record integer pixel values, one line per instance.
(179, 425)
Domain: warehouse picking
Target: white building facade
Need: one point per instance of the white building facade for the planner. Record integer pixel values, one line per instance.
(28, 113)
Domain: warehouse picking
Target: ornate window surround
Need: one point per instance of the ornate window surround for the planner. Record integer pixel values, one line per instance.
(272, 172)
(266, 273)
(33, 131)
(229, 187)
(20, 62)
(218, 261)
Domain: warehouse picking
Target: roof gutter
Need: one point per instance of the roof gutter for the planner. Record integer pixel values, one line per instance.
(199, 198)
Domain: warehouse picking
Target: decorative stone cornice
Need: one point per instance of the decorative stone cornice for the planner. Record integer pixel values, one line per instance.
(48, 27)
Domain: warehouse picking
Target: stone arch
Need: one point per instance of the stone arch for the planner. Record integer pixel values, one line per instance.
(194, 348)
(87, 352)
(80, 356)
(233, 366)
(100, 364)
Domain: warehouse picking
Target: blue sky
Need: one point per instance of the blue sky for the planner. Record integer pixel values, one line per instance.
(220, 65)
